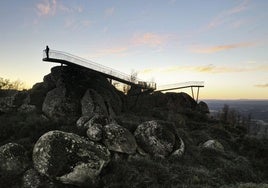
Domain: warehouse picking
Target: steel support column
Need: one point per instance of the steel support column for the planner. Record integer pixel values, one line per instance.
(192, 92)
(197, 94)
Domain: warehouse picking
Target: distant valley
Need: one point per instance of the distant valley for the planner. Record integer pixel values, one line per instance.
(258, 109)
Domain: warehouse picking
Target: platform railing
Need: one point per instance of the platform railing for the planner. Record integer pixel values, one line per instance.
(180, 85)
(59, 55)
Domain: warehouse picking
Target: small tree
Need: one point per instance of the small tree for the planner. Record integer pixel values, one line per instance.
(225, 113)
(133, 78)
(8, 84)
(234, 118)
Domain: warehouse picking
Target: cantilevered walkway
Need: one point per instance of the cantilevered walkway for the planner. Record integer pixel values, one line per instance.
(182, 85)
(71, 60)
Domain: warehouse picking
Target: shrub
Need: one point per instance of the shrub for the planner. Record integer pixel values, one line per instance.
(8, 84)
(238, 170)
(200, 136)
(135, 173)
(257, 152)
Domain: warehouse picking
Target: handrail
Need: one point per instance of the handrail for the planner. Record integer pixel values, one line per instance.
(180, 85)
(63, 57)
(59, 55)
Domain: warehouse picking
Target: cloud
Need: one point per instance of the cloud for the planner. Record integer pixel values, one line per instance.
(149, 39)
(172, 69)
(262, 85)
(150, 71)
(218, 69)
(46, 7)
(225, 15)
(214, 49)
(50, 8)
(129, 45)
(240, 8)
(204, 69)
(210, 68)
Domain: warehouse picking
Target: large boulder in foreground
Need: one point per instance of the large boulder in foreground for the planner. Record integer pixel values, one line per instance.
(13, 159)
(69, 158)
(155, 139)
(119, 139)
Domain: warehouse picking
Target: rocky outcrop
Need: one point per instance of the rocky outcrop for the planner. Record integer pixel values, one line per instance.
(203, 107)
(92, 103)
(37, 95)
(13, 159)
(69, 158)
(60, 107)
(119, 139)
(159, 104)
(155, 139)
(74, 92)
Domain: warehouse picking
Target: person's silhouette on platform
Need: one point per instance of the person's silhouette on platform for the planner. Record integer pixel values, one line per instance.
(47, 52)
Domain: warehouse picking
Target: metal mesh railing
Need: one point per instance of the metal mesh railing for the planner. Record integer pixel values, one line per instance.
(54, 54)
(181, 85)
(58, 55)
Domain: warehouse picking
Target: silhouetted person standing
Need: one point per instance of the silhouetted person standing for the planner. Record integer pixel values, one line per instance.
(47, 51)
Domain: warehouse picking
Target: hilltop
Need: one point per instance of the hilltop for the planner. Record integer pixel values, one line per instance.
(75, 129)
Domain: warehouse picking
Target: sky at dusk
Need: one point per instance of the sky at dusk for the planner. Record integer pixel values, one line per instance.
(221, 42)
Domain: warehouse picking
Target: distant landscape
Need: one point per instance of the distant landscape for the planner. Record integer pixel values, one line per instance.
(257, 109)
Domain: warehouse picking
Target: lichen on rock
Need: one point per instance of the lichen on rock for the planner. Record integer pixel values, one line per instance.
(119, 139)
(60, 107)
(69, 158)
(154, 139)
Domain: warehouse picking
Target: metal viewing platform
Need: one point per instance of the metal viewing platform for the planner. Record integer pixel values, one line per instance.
(72, 60)
(182, 85)
(69, 59)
